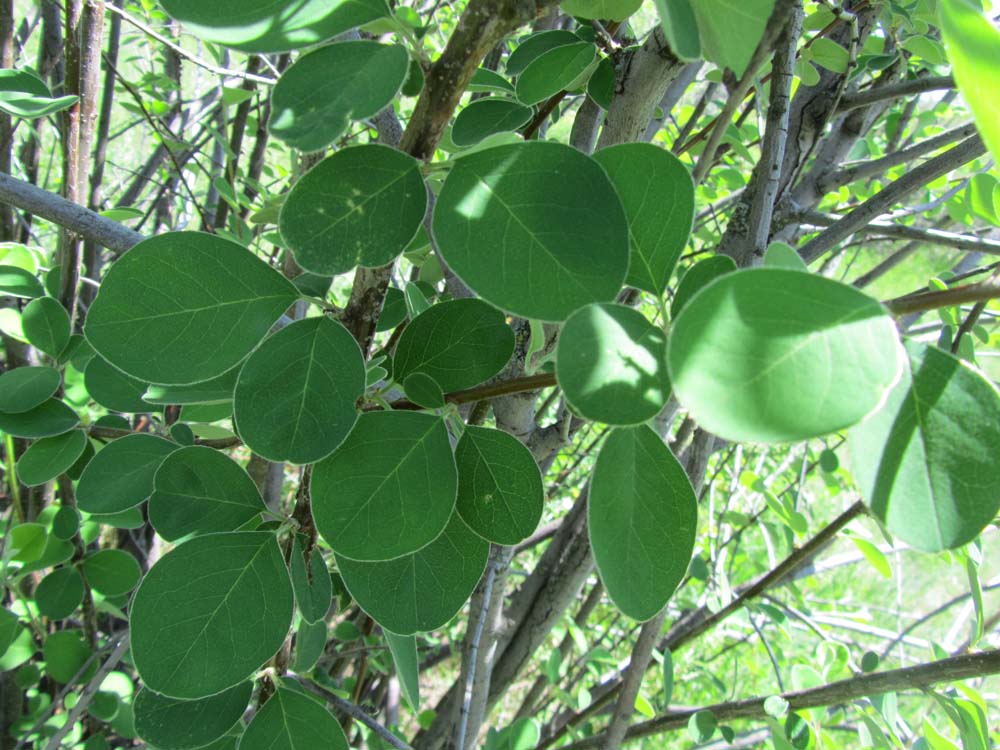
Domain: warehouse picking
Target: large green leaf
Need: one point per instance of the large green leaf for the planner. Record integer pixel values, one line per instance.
(267, 26)
(24, 388)
(535, 228)
(210, 612)
(611, 364)
(500, 489)
(172, 724)
(50, 457)
(730, 30)
(554, 70)
(642, 515)
(360, 207)
(113, 389)
(609, 10)
(295, 397)
(485, 117)
(658, 195)
(291, 720)
(423, 590)
(460, 344)
(183, 307)
(926, 461)
(46, 324)
(51, 417)
(680, 27)
(404, 656)
(772, 355)
(200, 490)
(389, 489)
(972, 42)
(121, 474)
(315, 99)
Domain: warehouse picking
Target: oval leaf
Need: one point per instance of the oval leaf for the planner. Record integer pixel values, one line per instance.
(611, 364)
(553, 71)
(535, 228)
(172, 724)
(291, 721)
(49, 457)
(360, 207)
(611, 10)
(24, 388)
(199, 490)
(59, 593)
(296, 395)
(17, 282)
(184, 307)
(222, 594)
(121, 474)
(113, 389)
(312, 585)
(926, 461)
(113, 572)
(484, 117)
(531, 47)
(642, 515)
(424, 590)
(46, 325)
(771, 355)
(389, 489)
(51, 417)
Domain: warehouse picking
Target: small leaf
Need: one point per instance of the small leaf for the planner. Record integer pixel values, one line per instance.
(829, 54)
(404, 656)
(485, 117)
(553, 71)
(874, 556)
(296, 396)
(173, 724)
(680, 27)
(500, 493)
(611, 10)
(775, 706)
(24, 388)
(423, 390)
(535, 45)
(291, 720)
(642, 516)
(698, 276)
(59, 593)
(121, 474)
(241, 609)
(51, 417)
(46, 325)
(313, 587)
(199, 490)
(18, 282)
(310, 643)
(65, 653)
(702, 725)
(782, 255)
(388, 490)
(112, 572)
(49, 457)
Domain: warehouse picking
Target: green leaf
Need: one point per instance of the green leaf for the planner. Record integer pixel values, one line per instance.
(46, 325)
(553, 71)
(730, 30)
(535, 45)
(23, 94)
(27, 542)
(18, 282)
(782, 255)
(610, 10)
(198, 490)
(926, 461)
(65, 523)
(172, 724)
(310, 643)
(361, 206)
(215, 391)
(184, 307)
(771, 355)
(121, 474)
(658, 229)
(291, 720)
(423, 390)
(65, 653)
(113, 389)
(702, 725)
(59, 593)
(226, 594)
(404, 656)
(460, 344)
(775, 706)
(484, 117)
(611, 364)
(113, 572)
(24, 388)
(313, 587)
(315, 99)
(535, 228)
(487, 80)
(680, 27)
(972, 42)
(700, 275)
(266, 26)
(500, 493)
(642, 515)
(829, 54)
(296, 395)
(49, 457)
(668, 676)
(51, 417)
(601, 85)
(874, 556)
(423, 590)
(388, 490)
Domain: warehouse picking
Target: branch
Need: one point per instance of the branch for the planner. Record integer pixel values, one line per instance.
(491, 390)
(84, 222)
(959, 295)
(875, 206)
(895, 91)
(920, 677)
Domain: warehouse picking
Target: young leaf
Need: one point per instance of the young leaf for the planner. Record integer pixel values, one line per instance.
(184, 307)
(423, 390)
(121, 474)
(49, 457)
(658, 229)
(389, 489)
(423, 590)
(771, 355)
(313, 587)
(173, 724)
(59, 593)
(360, 207)
(296, 396)
(460, 344)
(484, 117)
(611, 364)
(553, 71)
(46, 325)
(500, 491)
(291, 720)
(51, 417)
(112, 572)
(404, 656)
(535, 228)
(926, 461)
(199, 490)
(209, 613)
(317, 97)
(642, 515)
(24, 388)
